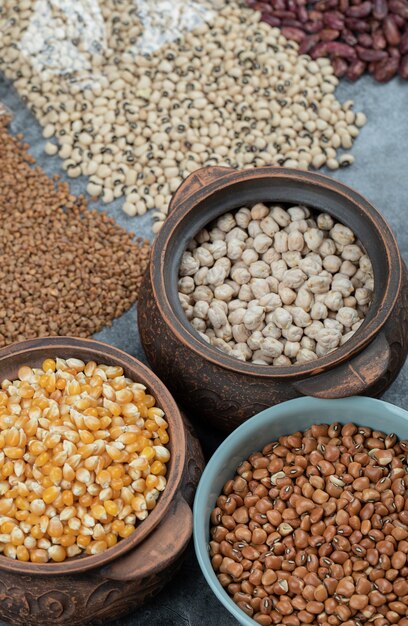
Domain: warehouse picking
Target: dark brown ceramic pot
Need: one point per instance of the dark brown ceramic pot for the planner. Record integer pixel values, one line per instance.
(105, 586)
(225, 391)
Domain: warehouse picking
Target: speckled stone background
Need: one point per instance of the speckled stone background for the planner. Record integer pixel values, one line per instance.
(380, 172)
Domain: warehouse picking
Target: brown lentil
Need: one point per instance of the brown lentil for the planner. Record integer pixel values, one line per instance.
(82, 459)
(64, 270)
(319, 557)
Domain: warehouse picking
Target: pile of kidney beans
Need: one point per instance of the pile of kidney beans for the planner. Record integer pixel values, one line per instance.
(357, 35)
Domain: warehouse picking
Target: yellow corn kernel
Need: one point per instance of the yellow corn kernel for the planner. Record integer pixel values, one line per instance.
(52, 440)
(55, 527)
(7, 527)
(151, 425)
(32, 519)
(14, 453)
(67, 540)
(46, 482)
(21, 515)
(17, 536)
(139, 485)
(38, 555)
(10, 551)
(86, 436)
(117, 484)
(124, 396)
(148, 453)
(42, 459)
(91, 422)
(163, 436)
(117, 526)
(96, 547)
(57, 553)
(73, 388)
(85, 500)
(113, 452)
(98, 511)
(56, 475)
(67, 497)
(49, 364)
(128, 530)
(22, 553)
(128, 437)
(22, 503)
(83, 540)
(7, 469)
(50, 494)
(103, 478)
(126, 480)
(68, 472)
(36, 532)
(61, 384)
(138, 503)
(116, 471)
(38, 506)
(111, 507)
(157, 467)
(151, 481)
(111, 540)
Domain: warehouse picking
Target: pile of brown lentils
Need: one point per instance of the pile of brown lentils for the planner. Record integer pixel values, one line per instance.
(64, 270)
(314, 529)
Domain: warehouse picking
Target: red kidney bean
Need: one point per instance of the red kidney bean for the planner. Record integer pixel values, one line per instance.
(334, 19)
(399, 7)
(362, 10)
(365, 40)
(357, 25)
(328, 34)
(348, 37)
(333, 47)
(340, 66)
(379, 41)
(380, 9)
(270, 19)
(308, 43)
(370, 55)
(391, 32)
(313, 27)
(385, 70)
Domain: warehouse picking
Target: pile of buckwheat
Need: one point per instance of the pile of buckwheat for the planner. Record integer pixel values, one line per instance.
(64, 270)
(136, 112)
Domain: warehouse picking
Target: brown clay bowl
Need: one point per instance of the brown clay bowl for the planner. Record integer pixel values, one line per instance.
(107, 585)
(219, 388)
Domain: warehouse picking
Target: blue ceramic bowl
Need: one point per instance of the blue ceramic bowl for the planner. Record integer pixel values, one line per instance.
(253, 435)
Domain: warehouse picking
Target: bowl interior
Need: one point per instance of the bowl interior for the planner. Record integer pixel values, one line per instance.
(253, 435)
(313, 190)
(33, 353)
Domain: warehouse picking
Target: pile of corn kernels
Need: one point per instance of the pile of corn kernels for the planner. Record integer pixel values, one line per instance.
(82, 458)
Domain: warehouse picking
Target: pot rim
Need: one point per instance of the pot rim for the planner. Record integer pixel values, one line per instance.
(187, 335)
(99, 352)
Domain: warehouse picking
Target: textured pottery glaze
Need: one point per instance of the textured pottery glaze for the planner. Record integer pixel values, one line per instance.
(219, 388)
(263, 428)
(105, 586)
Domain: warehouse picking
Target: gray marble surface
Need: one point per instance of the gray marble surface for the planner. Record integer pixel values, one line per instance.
(380, 172)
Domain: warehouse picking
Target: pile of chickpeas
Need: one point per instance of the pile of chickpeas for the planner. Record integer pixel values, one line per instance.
(313, 529)
(274, 285)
